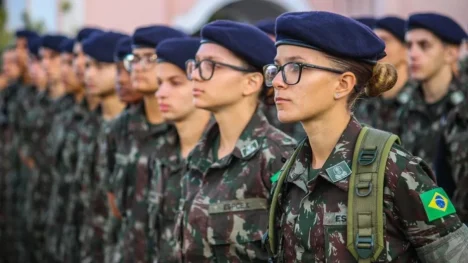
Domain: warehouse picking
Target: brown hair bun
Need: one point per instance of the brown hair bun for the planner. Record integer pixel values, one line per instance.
(384, 77)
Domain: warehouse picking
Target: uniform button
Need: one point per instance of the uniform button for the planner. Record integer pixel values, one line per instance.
(283, 160)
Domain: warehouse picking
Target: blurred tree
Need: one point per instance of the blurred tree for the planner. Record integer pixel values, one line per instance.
(29, 23)
(65, 6)
(6, 37)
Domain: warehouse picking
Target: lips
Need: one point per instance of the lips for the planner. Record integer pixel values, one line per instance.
(279, 100)
(164, 107)
(197, 92)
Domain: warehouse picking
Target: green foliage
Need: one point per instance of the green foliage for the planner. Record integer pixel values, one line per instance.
(29, 23)
(65, 6)
(5, 37)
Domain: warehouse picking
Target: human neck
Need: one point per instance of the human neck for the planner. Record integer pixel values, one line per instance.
(57, 90)
(324, 132)
(79, 95)
(435, 88)
(191, 129)
(111, 107)
(93, 102)
(232, 122)
(152, 112)
(402, 71)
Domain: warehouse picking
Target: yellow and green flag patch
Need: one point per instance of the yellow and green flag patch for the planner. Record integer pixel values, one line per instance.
(275, 177)
(436, 204)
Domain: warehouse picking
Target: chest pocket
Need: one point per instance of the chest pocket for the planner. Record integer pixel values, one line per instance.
(334, 225)
(238, 225)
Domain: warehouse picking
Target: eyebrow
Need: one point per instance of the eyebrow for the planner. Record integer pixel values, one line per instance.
(290, 59)
(210, 57)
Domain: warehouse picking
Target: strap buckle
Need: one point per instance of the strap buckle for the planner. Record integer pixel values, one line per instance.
(366, 188)
(364, 246)
(367, 156)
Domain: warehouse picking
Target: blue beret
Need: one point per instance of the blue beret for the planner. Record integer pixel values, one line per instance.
(442, 26)
(53, 42)
(150, 36)
(34, 44)
(28, 34)
(101, 46)
(395, 25)
(267, 25)
(123, 48)
(67, 45)
(368, 21)
(177, 50)
(331, 33)
(86, 32)
(246, 41)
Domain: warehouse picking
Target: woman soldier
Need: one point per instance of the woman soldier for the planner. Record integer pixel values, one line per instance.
(224, 207)
(324, 62)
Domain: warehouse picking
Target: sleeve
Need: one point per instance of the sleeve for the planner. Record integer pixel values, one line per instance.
(428, 218)
(443, 170)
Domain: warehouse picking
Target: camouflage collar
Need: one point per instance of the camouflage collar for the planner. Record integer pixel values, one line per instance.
(139, 126)
(453, 97)
(248, 144)
(341, 155)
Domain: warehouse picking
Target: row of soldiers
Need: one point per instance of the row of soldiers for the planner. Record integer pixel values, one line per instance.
(92, 160)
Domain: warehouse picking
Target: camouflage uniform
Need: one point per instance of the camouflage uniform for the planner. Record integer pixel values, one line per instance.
(421, 123)
(39, 184)
(130, 179)
(463, 65)
(70, 247)
(312, 209)
(4, 169)
(452, 160)
(224, 208)
(91, 172)
(383, 113)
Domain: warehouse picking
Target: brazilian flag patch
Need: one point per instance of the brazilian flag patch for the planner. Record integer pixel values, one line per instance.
(275, 177)
(437, 204)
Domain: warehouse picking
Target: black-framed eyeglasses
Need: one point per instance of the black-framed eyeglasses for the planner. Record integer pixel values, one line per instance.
(291, 72)
(207, 67)
(145, 61)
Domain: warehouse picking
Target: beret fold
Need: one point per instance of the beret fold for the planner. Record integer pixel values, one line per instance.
(123, 48)
(101, 46)
(53, 42)
(150, 36)
(331, 33)
(177, 51)
(246, 41)
(395, 25)
(442, 26)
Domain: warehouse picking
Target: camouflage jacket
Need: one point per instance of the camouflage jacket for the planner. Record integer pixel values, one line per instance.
(312, 209)
(422, 123)
(91, 172)
(452, 160)
(463, 65)
(383, 113)
(294, 130)
(224, 208)
(130, 178)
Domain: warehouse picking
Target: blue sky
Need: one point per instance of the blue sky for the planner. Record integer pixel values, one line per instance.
(40, 10)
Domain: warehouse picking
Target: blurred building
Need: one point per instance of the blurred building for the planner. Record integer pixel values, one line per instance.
(190, 15)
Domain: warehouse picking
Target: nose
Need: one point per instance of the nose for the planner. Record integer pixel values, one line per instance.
(278, 82)
(162, 91)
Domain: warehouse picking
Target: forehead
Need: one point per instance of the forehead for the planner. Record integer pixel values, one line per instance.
(286, 53)
(45, 51)
(9, 54)
(66, 55)
(421, 34)
(143, 51)
(168, 70)
(212, 50)
(382, 33)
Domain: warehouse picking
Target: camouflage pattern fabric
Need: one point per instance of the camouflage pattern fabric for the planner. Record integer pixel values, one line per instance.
(70, 247)
(91, 221)
(384, 114)
(452, 160)
(312, 208)
(422, 123)
(130, 180)
(224, 208)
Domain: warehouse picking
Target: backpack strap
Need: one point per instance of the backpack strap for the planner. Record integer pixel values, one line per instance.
(271, 246)
(365, 219)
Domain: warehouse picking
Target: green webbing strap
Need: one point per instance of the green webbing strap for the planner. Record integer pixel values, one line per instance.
(274, 201)
(365, 230)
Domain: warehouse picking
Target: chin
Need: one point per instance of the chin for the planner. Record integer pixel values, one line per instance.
(286, 117)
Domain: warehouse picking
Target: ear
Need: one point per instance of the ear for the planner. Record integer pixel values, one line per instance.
(346, 83)
(451, 53)
(253, 83)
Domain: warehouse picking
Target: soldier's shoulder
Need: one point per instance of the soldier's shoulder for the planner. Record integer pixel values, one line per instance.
(277, 138)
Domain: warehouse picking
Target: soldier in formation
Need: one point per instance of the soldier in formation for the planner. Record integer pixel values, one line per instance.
(160, 147)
